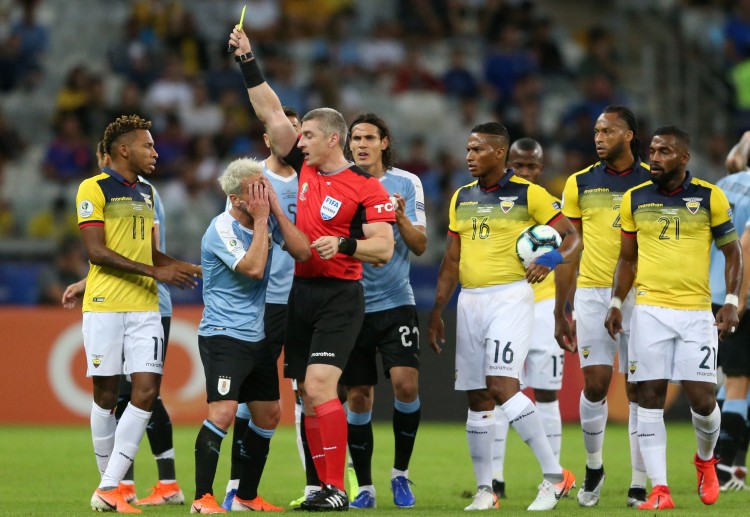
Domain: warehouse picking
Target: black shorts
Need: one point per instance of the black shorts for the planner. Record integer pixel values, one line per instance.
(125, 389)
(734, 353)
(238, 370)
(274, 322)
(323, 320)
(392, 332)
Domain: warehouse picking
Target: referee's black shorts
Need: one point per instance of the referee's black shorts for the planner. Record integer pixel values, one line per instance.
(324, 317)
(734, 353)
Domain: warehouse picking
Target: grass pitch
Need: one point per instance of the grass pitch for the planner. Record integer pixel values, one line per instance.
(51, 471)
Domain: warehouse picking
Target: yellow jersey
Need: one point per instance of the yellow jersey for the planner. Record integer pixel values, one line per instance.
(674, 232)
(489, 221)
(126, 211)
(592, 196)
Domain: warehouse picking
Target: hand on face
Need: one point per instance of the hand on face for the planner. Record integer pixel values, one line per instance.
(257, 200)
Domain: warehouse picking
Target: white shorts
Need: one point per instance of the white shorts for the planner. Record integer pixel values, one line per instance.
(544, 363)
(111, 337)
(595, 347)
(493, 331)
(672, 344)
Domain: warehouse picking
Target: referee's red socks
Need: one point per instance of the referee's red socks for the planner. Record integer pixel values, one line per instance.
(312, 433)
(332, 436)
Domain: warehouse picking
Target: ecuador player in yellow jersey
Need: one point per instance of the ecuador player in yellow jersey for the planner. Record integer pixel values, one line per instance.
(591, 199)
(495, 314)
(544, 362)
(121, 320)
(668, 224)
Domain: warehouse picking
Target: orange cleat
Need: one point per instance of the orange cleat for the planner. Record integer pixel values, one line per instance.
(163, 493)
(206, 504)
(128, 491)
(111, 501)
(658, 499)
(255, 505)
(708, 483)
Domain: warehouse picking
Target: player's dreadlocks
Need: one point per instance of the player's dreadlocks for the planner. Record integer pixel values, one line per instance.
(122, 126)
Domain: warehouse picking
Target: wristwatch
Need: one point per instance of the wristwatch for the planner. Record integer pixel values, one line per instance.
(244, 57)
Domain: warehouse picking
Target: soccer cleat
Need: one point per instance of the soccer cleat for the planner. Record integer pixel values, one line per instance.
(365, 499)
(351, 477)
(128, 491)
(163, 493)
(731, 479)
(549, 494)
(708, 483)
(499, 488)
(589, 493)
(206, 504)
(328, 499)
(636, 496)
(402, 494)
(483, 500)
(254, 505)
(296, 503)
(658, 499)
(227, 504)
(111, 501)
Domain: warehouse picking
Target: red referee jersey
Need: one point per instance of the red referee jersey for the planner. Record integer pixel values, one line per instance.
(337, 204)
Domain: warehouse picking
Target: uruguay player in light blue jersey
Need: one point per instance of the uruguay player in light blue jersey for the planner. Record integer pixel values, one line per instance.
(390, 326)
(734, 354)
(236, 255)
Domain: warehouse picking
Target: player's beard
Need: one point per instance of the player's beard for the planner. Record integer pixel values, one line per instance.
(665, 177)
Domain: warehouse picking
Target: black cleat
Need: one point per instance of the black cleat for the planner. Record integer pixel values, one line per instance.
(636, 496)
(329, 499)
(499, 488)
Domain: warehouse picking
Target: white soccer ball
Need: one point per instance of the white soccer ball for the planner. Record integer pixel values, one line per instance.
(535, 241)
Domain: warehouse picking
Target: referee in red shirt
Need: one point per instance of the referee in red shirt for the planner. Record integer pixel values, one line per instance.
(347, 214)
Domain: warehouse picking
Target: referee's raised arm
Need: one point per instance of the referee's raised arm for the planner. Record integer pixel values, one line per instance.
(265, 102)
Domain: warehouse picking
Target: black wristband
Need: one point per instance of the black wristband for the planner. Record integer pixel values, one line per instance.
(251, 73)
(347, 245)
(244, 57)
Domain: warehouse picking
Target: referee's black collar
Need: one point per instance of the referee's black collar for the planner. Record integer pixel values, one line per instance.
(116, 175)
(502, 182)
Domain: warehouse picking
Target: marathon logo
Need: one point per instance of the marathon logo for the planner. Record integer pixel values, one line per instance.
(323, 354)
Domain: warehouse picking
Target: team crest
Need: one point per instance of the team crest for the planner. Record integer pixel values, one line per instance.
(692, 203)
(329, 208)
(585, 351)
(303, 190)
(96, 360)
(147, 199)
(223, 385)
(506, 203)
(632, 367)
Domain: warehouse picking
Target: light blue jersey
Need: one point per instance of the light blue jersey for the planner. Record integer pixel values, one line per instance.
(737, 188)
(282, 267)
(165, 299)
(388, 286)
(234, 304)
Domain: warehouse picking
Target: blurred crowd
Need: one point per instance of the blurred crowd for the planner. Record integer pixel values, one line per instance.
(432, 68)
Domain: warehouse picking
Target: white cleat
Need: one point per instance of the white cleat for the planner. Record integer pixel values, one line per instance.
(550, 494)
(483, 500)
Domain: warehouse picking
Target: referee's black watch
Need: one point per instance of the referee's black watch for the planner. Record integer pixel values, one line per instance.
(244, 57)
(347, 245)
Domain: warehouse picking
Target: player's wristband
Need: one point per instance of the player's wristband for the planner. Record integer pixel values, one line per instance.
(732, 299)
(251, 73)
(551, 259)
(347, 245)
(615, 303)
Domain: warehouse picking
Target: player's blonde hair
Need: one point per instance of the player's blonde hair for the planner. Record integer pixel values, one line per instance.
(237, 172)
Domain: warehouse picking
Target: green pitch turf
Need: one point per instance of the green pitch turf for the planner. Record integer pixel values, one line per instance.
(51, 471)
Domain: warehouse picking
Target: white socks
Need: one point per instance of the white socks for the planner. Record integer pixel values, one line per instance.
(524, 418)
(480, 433)
(103, 425)
(707, 432)
(128, 436)
(652, 438)
(638, 479)
(549, 412)
(593, 422)
(498, 444)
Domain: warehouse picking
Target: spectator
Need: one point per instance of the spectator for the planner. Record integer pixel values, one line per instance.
(134, 55)
(170, 93)
(416, 162)
(383, 50)
(545, 49)
(201, 116)
(173, 149)
(183, 39)
(601, 57)
(458, 80)
(737, 33)
(57, 222)
(224, 77)
(11, 143)
(279, 70)
(412, 76)
(68, 157)
(32, 40)
(505, 64)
